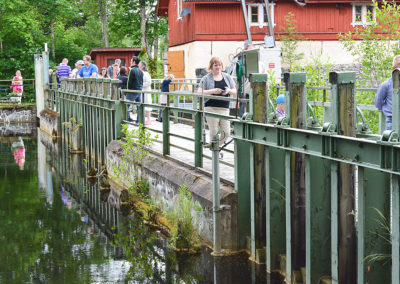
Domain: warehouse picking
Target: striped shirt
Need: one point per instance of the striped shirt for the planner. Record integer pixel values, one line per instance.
(63, 70)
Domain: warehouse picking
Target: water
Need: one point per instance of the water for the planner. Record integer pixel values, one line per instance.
(55, 229)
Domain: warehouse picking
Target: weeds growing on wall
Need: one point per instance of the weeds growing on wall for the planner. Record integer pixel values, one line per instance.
(183, 231)
(134, 146)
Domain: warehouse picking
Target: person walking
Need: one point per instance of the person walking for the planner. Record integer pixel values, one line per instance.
(165, 89)
(135, 82)
(280, 106)
(383, 98)
(218, 84)
(146, 87)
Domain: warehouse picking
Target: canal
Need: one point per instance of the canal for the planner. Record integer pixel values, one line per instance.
(57, 227)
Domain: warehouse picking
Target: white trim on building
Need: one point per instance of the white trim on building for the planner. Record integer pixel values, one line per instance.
(361, 12)
(257, 15)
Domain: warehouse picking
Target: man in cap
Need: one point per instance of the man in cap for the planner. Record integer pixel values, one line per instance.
(78, 66)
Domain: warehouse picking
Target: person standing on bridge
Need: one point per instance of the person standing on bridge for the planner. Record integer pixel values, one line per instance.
(89, 69)
(78, 66)
(113, 70)
(146, 87)
(135, 82)
(383, 98)
(63, 69)
(17, 86)
(218, 84)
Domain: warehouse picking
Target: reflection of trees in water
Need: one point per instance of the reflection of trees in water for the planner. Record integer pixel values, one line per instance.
(150, 257)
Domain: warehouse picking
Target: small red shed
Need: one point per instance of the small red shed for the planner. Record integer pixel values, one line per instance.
(104, 57)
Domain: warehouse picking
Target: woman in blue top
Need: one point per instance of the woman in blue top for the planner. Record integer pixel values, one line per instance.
(219, 84)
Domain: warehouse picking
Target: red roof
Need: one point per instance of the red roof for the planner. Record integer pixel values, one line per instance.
(114, 49)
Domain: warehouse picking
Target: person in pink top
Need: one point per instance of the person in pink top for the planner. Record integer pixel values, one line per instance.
(16, 84)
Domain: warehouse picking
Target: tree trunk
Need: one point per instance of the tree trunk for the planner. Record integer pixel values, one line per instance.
(155, 42)
(103, 19)
(53, 48)
(143, 22)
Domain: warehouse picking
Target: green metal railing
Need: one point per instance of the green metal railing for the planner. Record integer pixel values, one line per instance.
(315, 196)
(333, 191)
(28, 93)
(90, 114)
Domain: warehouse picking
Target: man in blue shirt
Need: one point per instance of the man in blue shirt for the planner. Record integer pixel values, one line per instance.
(383, 98)
(89, 69)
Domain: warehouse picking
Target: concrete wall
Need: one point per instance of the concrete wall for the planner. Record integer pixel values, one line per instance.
(50, 123)
(198, 53)
(17, 114)
(165, 176)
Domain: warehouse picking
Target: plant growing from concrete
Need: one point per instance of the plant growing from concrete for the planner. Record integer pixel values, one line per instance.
(135, 148)
(183, 233)
(290, 42)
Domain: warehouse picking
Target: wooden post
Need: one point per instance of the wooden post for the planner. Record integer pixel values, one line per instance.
(295, 112)
(258, 226)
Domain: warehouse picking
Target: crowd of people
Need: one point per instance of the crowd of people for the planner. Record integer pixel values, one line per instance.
(137, 78)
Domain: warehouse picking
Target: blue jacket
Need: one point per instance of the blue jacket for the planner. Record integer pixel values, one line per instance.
(383, 98)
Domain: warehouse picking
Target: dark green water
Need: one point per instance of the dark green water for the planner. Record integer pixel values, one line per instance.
(56, 228)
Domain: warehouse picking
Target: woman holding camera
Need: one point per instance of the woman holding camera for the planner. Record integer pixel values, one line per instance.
(219, 84)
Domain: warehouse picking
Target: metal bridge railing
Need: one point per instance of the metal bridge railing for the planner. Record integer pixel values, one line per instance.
(28, 93)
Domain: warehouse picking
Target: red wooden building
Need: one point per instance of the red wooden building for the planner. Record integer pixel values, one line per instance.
(195, 22)
(104, 57)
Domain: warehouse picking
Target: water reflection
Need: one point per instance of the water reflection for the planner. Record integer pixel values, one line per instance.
(56, 226)
(18, 150)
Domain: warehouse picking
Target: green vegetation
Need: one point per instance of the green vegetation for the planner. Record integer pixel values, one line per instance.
(72, 28)
(183, 231)
(375, 52)
(290, 42)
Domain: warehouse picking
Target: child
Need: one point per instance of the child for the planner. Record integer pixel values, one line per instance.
(165, 88)
(280, 106)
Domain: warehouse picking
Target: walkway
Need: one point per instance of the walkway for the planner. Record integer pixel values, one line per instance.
(226, 172)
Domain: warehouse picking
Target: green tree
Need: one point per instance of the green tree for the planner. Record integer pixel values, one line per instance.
(379, 44)
(290, 41)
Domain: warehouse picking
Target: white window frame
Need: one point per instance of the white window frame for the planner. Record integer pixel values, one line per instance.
(260, 23)
(364, 10)
(179, 8)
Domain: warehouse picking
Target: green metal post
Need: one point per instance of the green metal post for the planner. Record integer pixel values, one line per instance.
(396, 184)
(176, 104)
(198, 143)
(275, 207)
(252, 205)
(141, 111)
(165, 123)
(334, 223)
(395, 229)
(345, 121)
(288, 196)
(120, 114)
(295, 107)
(373, 212)
(258, 84)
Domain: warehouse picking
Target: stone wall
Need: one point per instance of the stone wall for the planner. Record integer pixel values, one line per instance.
(17, 114)
(165, 175)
